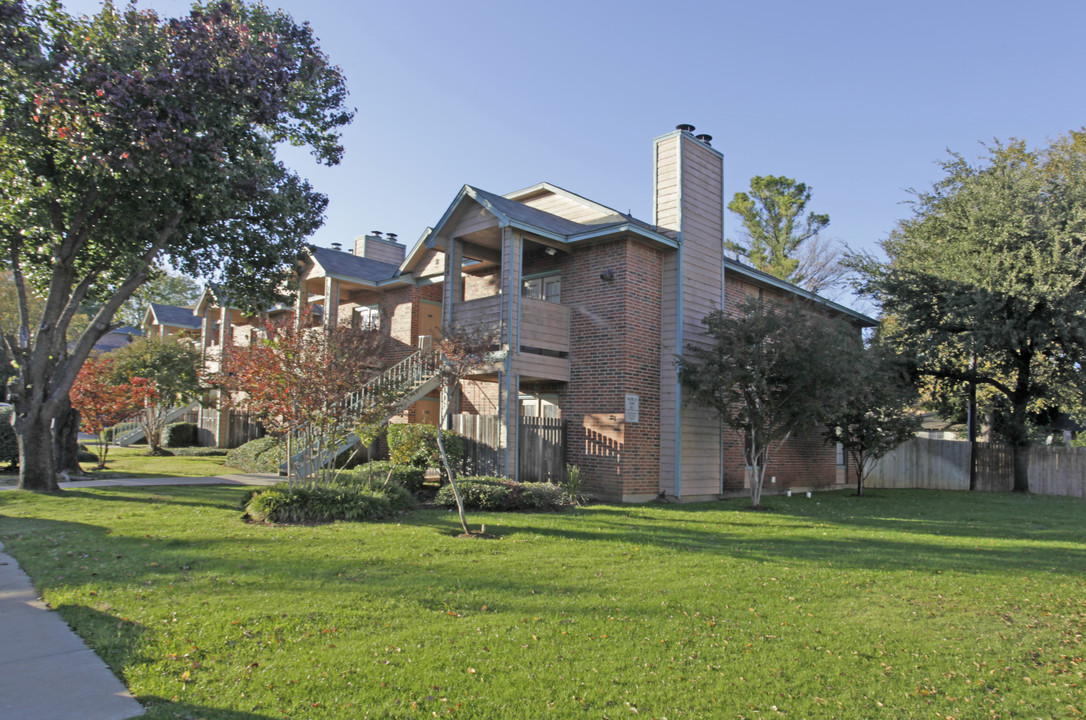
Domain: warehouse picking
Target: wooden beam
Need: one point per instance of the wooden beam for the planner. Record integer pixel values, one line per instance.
(479, 252)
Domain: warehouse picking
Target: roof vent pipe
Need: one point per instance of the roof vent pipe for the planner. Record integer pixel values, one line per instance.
(705, 138)
(684, 127)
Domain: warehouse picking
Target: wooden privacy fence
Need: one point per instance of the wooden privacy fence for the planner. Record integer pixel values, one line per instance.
(541, 443)
(944, 465)
(542, 449)
(480, 433)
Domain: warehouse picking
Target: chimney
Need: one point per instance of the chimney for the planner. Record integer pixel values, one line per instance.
(688, 204)
(375, 247)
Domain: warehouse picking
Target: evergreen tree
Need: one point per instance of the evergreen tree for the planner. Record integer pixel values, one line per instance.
(775, 227)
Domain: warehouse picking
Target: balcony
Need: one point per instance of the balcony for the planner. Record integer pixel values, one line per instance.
(544, 332)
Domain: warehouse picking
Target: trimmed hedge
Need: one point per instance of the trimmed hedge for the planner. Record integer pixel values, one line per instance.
(492, 493)
(180, 435)
(9, 445)
(405, 476)
(311, 504)
(264, 455)
(416, 444)
(200, 452)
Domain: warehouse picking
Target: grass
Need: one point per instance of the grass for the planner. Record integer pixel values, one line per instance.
(907, 604)
(133, 462)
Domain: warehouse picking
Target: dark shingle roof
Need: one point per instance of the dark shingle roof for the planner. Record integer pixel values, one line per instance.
(336, 262)
(173, 315)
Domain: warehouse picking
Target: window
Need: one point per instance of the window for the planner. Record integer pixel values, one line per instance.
(367, 317)
(548, 287)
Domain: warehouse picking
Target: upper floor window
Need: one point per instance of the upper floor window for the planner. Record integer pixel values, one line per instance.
(548, 287)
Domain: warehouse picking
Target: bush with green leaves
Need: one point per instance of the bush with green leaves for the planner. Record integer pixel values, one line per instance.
(493, 493)
(264, 454)
(416, 444)
(9, 445)
(406, 476)
(180, 435)
(317, 504)
(200, 452)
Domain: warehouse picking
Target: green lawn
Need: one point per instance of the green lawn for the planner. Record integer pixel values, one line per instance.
(907, 604)
(134, 462)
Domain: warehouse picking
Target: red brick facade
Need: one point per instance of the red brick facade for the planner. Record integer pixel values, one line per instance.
(615, 351)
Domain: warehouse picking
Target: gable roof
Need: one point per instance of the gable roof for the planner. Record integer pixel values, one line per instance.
(513, 213)
(346, 266)
(175, 316)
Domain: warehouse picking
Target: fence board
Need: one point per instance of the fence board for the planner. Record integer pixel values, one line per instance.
(480, 433)
(944, 465)
(542, 446)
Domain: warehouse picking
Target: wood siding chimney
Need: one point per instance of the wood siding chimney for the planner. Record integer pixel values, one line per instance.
(688, 200)
(377, 248)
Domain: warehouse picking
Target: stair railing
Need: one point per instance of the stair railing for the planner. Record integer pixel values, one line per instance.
(397, 382)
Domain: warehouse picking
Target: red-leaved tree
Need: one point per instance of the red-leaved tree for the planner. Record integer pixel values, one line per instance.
(103, 403)
(297, 381)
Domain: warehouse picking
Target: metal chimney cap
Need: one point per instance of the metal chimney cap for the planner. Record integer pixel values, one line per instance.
(706, 138)
(376, 233)
(685, 127)
(392, 237)
(337, 246)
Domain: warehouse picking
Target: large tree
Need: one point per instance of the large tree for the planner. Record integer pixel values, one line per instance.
(771, 370)
(127, 140)
(775, 230)
(986, 283)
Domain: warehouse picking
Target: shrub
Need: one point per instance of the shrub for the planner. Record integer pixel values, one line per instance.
(264, 454)
(9, 445)
(312, 504)
(416, 444)
(541, 496)
(86, 456)
(406, 476)
(492, 493)
(200, 452)
(178, 435)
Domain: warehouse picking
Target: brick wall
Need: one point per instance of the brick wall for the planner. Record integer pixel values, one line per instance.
(614, 350)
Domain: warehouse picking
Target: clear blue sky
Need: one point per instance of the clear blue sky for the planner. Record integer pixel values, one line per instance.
(860, 100)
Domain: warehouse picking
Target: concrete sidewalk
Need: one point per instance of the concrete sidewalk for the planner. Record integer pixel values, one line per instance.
(47, 672)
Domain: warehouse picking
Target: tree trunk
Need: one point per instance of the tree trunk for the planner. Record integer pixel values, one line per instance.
(452, 475)
(66, 440)
(1021, 468)
(37, 471)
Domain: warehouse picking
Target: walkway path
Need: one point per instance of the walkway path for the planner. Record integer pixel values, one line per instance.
(47, 672)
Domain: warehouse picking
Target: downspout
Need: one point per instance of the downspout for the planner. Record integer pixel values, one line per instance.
(723, 308)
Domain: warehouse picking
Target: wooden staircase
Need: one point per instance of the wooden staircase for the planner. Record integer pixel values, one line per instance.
(408, 381)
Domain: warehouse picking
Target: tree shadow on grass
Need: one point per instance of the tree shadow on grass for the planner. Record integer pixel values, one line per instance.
(224, 497)
(869, 537)
(119, 642)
